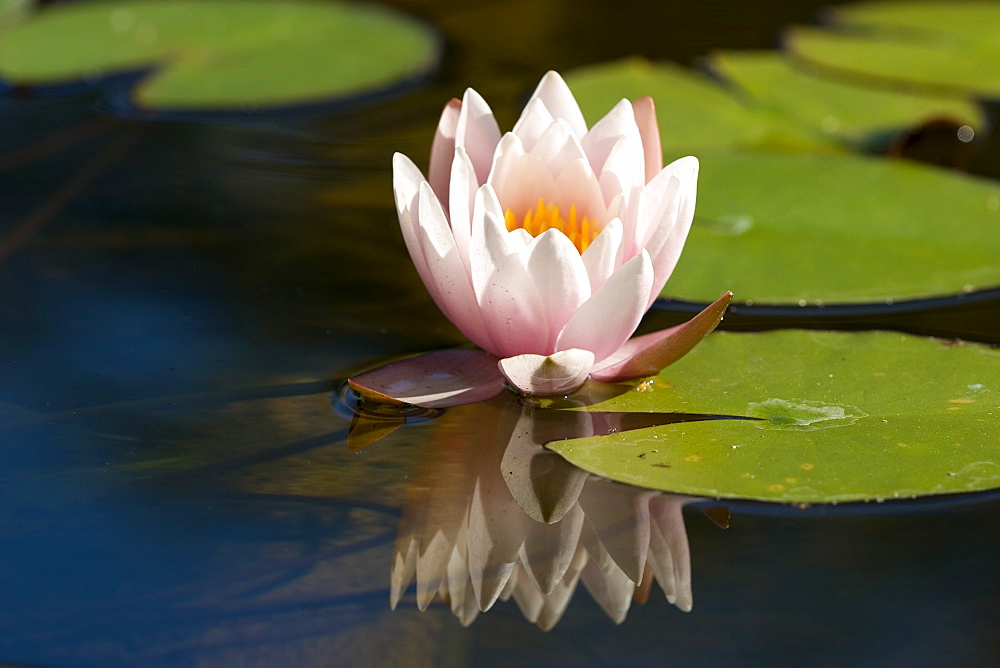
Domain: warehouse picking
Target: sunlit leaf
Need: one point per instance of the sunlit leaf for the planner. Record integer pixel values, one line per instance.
(222, 54)
(944, 45)
(842, 417)
(792, 228)
(765, 104)
(860, 116)
(694, 112)
(12, 11)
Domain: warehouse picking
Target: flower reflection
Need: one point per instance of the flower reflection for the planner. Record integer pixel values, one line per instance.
(490, 515)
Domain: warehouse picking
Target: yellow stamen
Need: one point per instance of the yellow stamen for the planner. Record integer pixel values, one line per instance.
(581, 231)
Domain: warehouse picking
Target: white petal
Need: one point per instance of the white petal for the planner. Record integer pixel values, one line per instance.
(600, 258)
(406, 180)
(618, 123)
(606, 320)
(624, 168)
(505, 291)
(534, 120)
(462, 194)
(656, 213)
(558, 99)
(478, 132)
(557, 147)
(563, 286)
(509, 152)
(559, 373)
(577, 184)
(667, 256)
(448, 280)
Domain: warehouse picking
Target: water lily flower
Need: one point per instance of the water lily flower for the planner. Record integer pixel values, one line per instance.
(545, 246)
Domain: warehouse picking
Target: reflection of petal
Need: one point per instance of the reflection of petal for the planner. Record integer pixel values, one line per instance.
(497, 529)
(612, 591)
(669, 553)
(619, 515)
(543, 484)
(464, 535)
(549, 549)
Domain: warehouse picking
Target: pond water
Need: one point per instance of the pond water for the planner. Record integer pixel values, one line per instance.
(181, 300)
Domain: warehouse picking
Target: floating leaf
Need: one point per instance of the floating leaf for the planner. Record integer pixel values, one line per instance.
(694, 112)
(945, 45)
(12, 11)
(780, 107)
(842, 417)
(222, 54)
(793, 228)
(862, 117)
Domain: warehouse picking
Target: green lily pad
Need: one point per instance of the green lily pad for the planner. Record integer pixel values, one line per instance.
(695, 113)
(861, 117)
(767, 104)
(944, 45)
(796, 229)
(12, 11)
(842, 417)
(222, 54)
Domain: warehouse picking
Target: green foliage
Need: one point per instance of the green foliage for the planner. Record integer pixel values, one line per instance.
(841, 417)
(222, 54)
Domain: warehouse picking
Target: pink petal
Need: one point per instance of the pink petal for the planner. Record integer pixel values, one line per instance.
(528, 181)
(534, 120)
(559, 373)
(606, 320)
(601, 257)
(406, 182)
(558, 99)
(557, 147)
(577, 184)
(448, 280)
(645, 118)
(507, 155)
(505, 291)
(462, 194)
(432, 380)
(443, 149)
(646, 355)
(557, 269)
(477, 131)
(623, 169)
(617, 123)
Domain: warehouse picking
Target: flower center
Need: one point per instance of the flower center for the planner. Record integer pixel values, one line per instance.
(580, 230)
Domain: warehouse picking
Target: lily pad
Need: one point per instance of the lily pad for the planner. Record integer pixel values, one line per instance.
(841, 417)
(12, 11)
(858, 116)
(942, 45)
(796, 229)
(694, 112)
(766, 104)
(222, 54)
